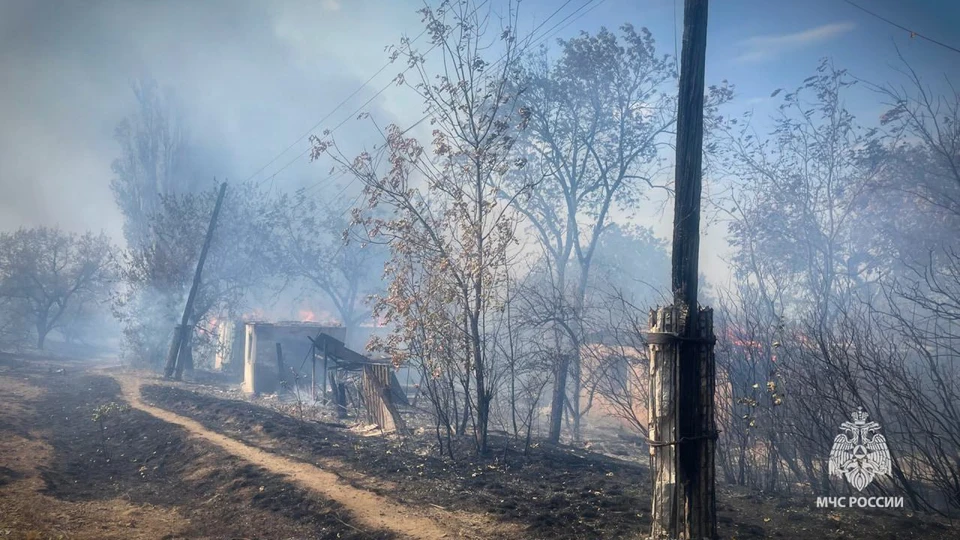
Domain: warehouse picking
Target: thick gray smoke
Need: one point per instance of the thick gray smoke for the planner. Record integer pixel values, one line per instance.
(251, 76)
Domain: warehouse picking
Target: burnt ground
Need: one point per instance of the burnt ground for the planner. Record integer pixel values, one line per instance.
(146, 478)
(554, 492)
(143, 478)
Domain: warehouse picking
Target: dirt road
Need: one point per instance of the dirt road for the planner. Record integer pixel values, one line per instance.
(368, 508)
(129, 475)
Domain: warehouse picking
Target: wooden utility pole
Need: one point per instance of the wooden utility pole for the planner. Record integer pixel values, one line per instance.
(682, 369)
(174, 361)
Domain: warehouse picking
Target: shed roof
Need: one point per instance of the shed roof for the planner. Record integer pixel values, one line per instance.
(293, 324)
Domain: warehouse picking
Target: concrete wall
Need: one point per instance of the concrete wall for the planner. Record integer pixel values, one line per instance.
(261, 371)
(228, 356)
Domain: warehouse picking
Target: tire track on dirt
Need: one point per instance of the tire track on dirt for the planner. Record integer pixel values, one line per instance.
(366, 507)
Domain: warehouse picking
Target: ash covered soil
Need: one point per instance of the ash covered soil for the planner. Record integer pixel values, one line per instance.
(551, 492)
(141, 477)
(61, 477)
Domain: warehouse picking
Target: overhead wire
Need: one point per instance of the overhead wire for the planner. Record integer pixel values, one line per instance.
(913, 33)
(531, 42)
(342, 103)
(333, 111)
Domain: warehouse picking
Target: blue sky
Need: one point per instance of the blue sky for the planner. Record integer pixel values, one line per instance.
(761, 45)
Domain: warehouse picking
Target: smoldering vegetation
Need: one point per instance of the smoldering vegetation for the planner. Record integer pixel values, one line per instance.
(492, 249)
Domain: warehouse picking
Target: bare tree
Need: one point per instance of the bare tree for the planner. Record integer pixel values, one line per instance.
(832, 306)
(598, 117)
(933, 120)
(314, 244)
(158, 276)
(445, 226)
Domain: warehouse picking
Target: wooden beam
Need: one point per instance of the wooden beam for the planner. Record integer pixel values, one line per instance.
(689, 160)
(326, 367)
(313, 373)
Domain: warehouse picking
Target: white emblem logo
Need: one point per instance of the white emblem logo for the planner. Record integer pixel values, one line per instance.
(856, 455)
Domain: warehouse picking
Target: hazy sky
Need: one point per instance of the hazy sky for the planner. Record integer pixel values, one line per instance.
(255, 75)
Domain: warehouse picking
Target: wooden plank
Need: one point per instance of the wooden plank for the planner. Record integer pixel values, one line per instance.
(664, 357)
(378, 397)
(326, 362)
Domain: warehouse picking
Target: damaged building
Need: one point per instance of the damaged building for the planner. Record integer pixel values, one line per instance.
(267, 357)
(249, 350)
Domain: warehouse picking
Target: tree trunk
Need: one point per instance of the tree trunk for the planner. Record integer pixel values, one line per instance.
(483, 399)
(577, 360)
(559, 396)
(185, 355)
(575, 413)
(43, 328)
(562, 366)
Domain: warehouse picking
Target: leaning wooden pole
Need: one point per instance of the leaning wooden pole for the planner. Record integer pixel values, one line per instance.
(173, 360)
(682, 371)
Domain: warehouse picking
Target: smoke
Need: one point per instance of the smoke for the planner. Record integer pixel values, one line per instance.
(252, 76)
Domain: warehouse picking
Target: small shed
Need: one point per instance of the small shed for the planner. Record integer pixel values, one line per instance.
(262, 369)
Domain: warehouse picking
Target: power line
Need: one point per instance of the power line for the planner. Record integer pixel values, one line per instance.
(913, 33)
(333, 111)
(354, 113)
(530, 42)
(342, 122)
(595, 6)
